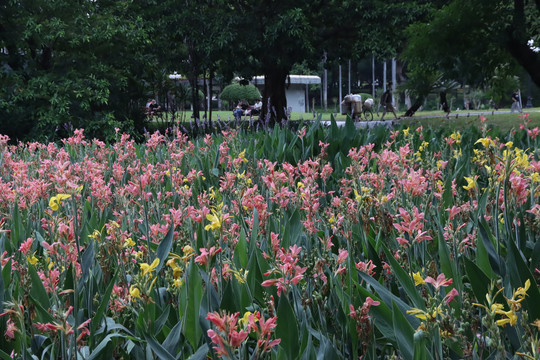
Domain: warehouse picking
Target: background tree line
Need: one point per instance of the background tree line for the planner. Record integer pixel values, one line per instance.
(94, 63)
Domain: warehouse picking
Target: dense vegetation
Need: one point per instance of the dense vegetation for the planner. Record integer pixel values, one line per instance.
(316, 243)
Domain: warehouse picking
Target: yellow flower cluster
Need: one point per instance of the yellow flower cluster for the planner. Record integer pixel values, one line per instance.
(214, 218)
(56, 201)
(509, 317)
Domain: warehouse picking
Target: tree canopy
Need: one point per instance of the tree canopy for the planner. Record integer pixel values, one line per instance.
(69, 65)
(470, 41)
(237, 92)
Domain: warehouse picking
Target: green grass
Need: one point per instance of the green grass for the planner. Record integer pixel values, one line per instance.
(501, 119)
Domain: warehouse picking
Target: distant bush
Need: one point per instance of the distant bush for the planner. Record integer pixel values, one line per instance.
(237, 92)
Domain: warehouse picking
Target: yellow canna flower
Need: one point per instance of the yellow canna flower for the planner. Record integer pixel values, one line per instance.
(188, 250)
(178, 283)
(522, 292)
(56, 201)
(486, 142)
(511, 318)
(245, 319)
(215, 222)
(147, 269)
(300, 185)
(418, 280)
(32, 259)
(456, 136)
(422, 315)
(129, 243)
(406, 131)
(242, 156)
(134, 292)
(471, 183)
(357, 196)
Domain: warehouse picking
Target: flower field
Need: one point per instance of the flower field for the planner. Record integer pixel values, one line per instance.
(318, 243)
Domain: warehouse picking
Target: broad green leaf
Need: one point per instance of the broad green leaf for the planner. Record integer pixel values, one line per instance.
(240, 251)
(193, 293)
(161, 320)
(38, 291)
(159, 350)
(519, 273)
(287, 327)
(478, 279)
(104, 302)
(96, 354)
(420, 351)
(172, 342)
(200, 354)
(164, 248)
(389, 298)
(87, 260)
(405, 281)
(404, 333)
(494, 258)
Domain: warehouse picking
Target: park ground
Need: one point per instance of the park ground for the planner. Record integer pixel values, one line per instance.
(502, 119)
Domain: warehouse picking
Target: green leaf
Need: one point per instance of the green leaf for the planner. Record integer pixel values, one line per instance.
(158, 349)
(200, 354)
(87, 260)
(287, 327)
(193, 294)
(519, 273)
(405, 281)
(494, 258)
(420, 351)
(104, 302)
(103, 344)
(172, 341)
(240, 251)
(164, 248)
(404, 333)
(389, 298)
(38, 291)
(478, 279)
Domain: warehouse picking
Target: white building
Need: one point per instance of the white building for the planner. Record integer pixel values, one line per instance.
(297, 93)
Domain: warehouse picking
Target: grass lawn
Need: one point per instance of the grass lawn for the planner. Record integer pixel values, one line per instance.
(502, 119)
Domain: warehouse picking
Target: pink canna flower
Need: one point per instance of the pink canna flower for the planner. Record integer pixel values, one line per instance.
(450, 296)
(11, 329)
(441, 281)
(205, 255)
(342, 256)
(236, 338)
(26, 246)
(368, 267)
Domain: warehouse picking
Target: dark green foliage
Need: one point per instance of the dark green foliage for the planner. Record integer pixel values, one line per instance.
(73, 66)
(236, 92)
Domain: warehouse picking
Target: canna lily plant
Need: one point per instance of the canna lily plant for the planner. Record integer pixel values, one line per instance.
(316, 242)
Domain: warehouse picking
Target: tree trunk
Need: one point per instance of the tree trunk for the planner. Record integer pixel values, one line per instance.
(517, 42)
(412, 110)
(193, 80)
(210, 81)
(444, 102)
(526, 58)
(274, 98)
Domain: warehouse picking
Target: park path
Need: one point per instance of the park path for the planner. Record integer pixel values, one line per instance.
(389, 122)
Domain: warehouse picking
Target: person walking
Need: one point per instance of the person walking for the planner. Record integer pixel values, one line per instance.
(386, 100)
(516, 105)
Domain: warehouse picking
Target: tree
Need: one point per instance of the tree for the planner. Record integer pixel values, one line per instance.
(238, 92)
(73, 64)
(276, 34)
(194, 36)
(471, 41)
